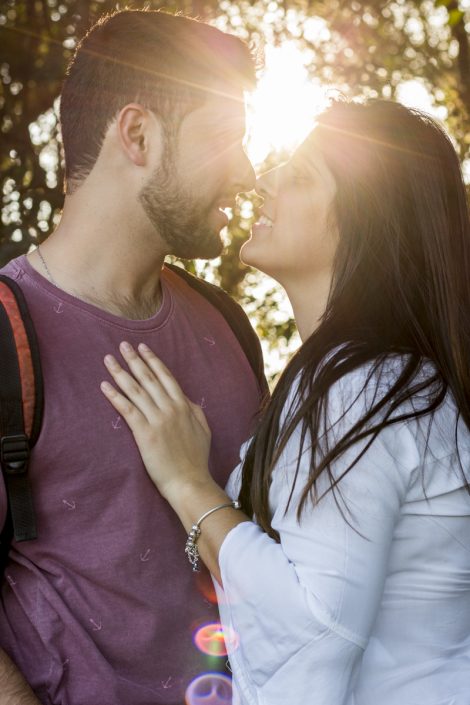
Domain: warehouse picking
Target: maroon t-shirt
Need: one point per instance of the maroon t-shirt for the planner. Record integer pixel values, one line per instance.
(101, 609)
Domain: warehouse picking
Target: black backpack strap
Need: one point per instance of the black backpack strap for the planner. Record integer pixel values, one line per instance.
(236, 319)
(21, 402)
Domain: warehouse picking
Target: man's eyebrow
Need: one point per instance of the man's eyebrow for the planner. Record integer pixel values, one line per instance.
(234, 130)
(229, 124)
(224, 124)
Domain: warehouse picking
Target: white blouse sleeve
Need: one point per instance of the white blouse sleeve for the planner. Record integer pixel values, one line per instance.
(302, 610)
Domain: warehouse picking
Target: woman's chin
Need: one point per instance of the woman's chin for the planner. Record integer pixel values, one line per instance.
(250, 255)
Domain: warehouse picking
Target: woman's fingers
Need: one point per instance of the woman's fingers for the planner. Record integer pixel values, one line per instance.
(145, 375)
(161, 371)
(125, 408)
(150, 386)
(134, 391)
(170, 431)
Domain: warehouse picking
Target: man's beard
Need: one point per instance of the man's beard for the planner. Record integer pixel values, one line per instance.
(180, 219)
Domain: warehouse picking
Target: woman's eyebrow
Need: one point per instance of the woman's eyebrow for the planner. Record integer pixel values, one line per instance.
(305, 161)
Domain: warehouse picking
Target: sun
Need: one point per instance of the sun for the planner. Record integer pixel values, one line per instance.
(281, 111)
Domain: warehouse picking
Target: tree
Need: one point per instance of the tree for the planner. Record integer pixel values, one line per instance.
(363, 48)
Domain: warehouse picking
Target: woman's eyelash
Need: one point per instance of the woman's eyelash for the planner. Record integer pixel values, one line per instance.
(301, 175)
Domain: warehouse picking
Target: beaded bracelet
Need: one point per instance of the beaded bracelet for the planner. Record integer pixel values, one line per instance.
(191, 548)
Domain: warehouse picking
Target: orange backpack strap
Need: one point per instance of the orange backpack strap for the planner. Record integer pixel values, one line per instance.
(21, 405)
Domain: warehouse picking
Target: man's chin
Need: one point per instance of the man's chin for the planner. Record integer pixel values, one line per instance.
(210, 248)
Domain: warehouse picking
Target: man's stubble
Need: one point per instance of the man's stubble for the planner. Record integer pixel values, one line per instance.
(179, 217)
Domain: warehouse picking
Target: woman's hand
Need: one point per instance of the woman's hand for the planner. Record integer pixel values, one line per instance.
(170, 431)
(174, 440)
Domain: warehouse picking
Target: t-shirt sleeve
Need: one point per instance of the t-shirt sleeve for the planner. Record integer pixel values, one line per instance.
(303, 610)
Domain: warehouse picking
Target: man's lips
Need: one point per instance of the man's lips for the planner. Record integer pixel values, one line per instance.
(221, 205)
(228, 202)
(220, 214)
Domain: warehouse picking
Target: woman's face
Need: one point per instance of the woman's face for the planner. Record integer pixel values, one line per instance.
(295, 238)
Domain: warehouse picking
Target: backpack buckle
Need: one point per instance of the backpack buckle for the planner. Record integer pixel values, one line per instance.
(14, 454)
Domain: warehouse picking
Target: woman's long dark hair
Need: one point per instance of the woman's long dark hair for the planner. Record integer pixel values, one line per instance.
(400, 285)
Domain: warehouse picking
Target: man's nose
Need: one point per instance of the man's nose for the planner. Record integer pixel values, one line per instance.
(246, 175)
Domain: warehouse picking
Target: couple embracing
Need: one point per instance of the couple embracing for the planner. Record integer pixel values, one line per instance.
(339, 546)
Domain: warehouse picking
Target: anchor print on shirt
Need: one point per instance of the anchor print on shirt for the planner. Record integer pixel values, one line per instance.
(166, 684)
(97, 626)
(59, 308)
(116, 424)
(144, 557)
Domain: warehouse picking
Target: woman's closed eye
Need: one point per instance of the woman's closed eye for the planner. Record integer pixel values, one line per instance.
(299, 172)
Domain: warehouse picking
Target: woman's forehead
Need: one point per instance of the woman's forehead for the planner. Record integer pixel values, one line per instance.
(309, 153)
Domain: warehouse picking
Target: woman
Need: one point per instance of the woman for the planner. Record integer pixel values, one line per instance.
(346, 573)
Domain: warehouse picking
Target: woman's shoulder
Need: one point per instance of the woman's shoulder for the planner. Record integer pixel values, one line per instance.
(361, 386)
(429, 444)
(356, 388)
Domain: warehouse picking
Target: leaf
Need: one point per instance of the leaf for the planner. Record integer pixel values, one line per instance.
(455, 16)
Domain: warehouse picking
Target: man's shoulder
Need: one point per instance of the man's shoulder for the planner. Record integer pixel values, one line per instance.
(234, 316)
(12, 268)
(213, 293)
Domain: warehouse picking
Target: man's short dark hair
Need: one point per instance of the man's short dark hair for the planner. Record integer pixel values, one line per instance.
(170, 63)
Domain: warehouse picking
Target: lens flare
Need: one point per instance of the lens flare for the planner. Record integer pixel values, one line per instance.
(206, 586)
(282, 110)
(209, 689)
(213, 639)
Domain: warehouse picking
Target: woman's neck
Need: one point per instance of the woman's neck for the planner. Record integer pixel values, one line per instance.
(308, 301)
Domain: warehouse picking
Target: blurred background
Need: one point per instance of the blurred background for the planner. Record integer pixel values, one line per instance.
(417, 52)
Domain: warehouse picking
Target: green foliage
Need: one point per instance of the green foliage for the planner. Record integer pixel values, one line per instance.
(363, 48)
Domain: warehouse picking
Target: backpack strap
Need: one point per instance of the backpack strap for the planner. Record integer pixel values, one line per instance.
(236, 319)
(21, 403)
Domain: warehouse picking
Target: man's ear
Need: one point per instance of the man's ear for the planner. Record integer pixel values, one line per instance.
(139, 131)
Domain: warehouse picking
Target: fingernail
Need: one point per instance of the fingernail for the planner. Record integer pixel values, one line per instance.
(144, 348)
(126, 347)
(110, 361)
(106, 387)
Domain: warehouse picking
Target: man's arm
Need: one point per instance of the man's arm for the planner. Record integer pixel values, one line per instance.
(13, 688)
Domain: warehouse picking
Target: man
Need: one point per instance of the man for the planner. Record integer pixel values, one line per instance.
(102, 608)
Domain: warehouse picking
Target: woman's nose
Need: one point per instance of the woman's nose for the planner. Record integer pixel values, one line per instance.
(267, 183)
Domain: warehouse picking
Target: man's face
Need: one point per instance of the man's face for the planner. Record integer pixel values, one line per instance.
(201, 172)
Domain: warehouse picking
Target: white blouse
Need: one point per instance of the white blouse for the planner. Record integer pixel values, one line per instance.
(371, 612)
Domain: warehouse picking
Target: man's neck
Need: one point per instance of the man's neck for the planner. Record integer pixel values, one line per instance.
(115, 274)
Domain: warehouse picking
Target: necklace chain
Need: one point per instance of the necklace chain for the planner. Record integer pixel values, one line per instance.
(52, 280)
(49, 275)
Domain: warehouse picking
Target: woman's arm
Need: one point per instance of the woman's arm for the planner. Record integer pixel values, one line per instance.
(174, 440)
(303, 609)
